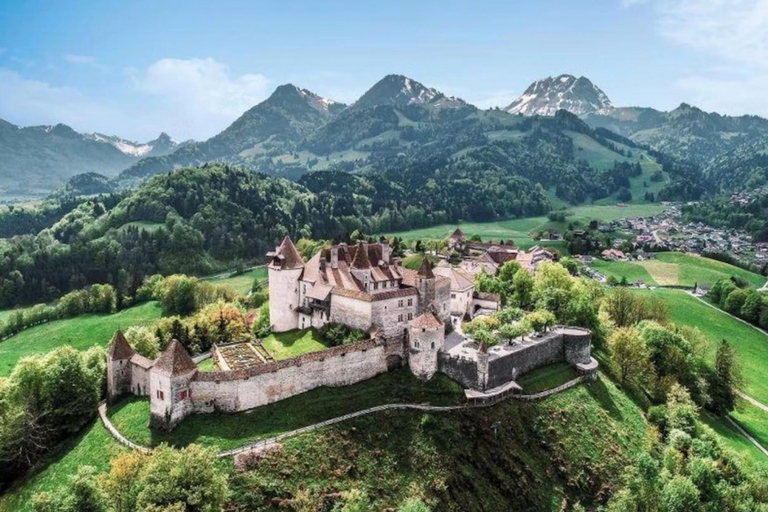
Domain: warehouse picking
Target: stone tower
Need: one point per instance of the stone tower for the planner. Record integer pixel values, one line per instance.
(169, 387)
(285, 271)
(119, 372)
(425, 284)
(426, 336)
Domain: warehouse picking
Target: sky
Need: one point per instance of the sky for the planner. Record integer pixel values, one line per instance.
(190, 68)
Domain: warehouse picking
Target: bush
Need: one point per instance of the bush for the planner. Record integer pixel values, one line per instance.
(339, 334)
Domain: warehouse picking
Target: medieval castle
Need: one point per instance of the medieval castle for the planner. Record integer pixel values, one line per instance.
(408, 314)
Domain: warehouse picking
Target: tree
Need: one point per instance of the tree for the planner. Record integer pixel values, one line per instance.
(522, 284)
(189, 479)
(540, 320)
(629, 356)
(413, 505)
(143, 341)
(750, 310)
(509, 332)
(178, 295)
(680, 495)
(722, 388)
(624, 307)
(734, 301)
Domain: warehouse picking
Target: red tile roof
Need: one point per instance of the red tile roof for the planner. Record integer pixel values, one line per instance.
(427, 321)
(288, 256)
(425, 270)
(119, 347)
(175, 360)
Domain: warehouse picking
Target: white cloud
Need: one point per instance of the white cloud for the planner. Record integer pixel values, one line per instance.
(200, 94)
(735, 34)
(27, 102)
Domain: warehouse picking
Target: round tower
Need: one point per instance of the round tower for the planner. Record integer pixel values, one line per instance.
(426, 336)
(284, 272)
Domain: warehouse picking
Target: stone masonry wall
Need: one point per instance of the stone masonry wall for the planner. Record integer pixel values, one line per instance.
(463, 371)
(139, 380)
(386, 315)
(284, 298)
(245, 389)
(350, 311)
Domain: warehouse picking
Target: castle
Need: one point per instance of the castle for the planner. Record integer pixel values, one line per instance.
(408, 315)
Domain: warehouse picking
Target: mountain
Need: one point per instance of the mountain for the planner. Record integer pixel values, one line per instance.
(686, 132)
(546, 96)
(400, 91)
(273, 126)
(47, 156)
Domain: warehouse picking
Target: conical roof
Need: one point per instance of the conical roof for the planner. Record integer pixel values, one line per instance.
(361, 256)
(425, 270)
(175, 360)
(289, 255)
(457, 234)
(119, 347)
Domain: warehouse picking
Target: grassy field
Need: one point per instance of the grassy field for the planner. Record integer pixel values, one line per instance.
(207, 365)
(547, 377)
(81, 332)
(676, 269)
(519, 229)
(242, 283)
(753, 419)
(227, 431)
(732, 438)
(289, 344)
(750, 343)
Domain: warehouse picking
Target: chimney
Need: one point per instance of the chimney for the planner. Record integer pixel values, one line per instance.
(385, 251)
(335, 256)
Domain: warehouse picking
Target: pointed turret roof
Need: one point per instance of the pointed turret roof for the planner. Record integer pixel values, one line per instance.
(361, 260)
(425, 270)
(289, 255)
(427, 321)
(175, 360)
(119, 347)
(458, 233)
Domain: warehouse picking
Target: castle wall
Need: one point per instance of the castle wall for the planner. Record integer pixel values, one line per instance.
(246, 389)
(486, 304)
(350, 311)
(392, 318)
(284, 298)
(461, 302)
(139, 380)
(443, 299)
(577, 345)
(462, 370)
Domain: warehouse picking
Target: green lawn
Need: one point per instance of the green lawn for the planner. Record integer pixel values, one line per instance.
(289, 344)
(93, 446)
(519, 229)
(752, 419)
(207, 365)
(547, 377)
(750, 343)
(81, 332)
(676, 269)
(242, 283)
(227, 431)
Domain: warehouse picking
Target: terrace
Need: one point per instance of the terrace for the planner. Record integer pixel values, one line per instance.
(238, 356)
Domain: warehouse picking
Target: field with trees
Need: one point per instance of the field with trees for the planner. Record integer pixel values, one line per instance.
(676, 269)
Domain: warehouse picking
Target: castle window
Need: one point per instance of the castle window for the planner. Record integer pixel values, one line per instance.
(410, 316)
(410, 302)
(416, 344)
(433, 344)
(375, 286)
(453, 295)
(183, 394)
(399, 318)
(400, 303)
(160, 395)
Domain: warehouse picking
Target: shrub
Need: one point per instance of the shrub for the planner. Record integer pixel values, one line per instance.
(339, 334)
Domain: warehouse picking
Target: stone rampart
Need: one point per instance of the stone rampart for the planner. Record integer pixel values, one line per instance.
(252, 387)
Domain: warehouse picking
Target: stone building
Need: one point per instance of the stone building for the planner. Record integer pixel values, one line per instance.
(465, 301)
(359, 285)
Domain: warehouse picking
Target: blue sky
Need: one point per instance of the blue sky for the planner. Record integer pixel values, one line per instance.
(190, 68)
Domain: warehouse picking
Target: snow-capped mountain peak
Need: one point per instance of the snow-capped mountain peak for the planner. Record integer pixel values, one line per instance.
(399, 90)
(164, 143)
(546, 96)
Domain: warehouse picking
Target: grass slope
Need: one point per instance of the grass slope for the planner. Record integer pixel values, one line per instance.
(81, 332)
(547, 377)
(226, 431)
(93, 446)
(241, 283)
